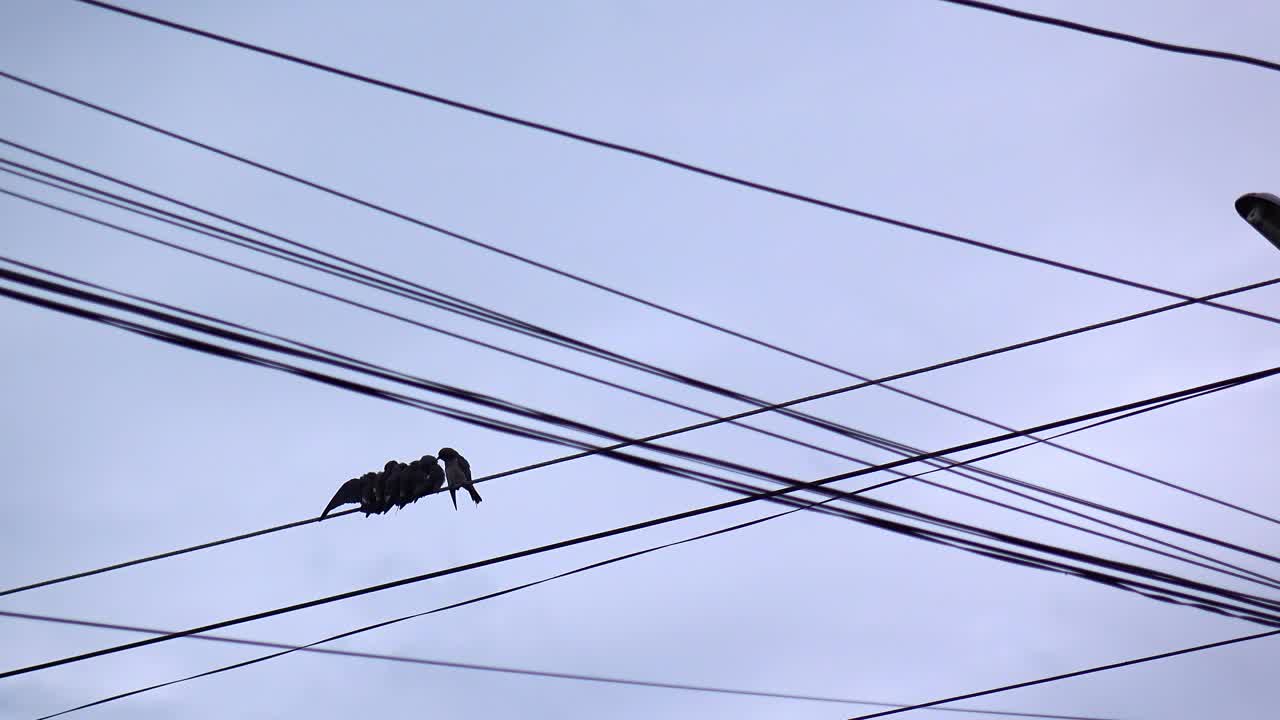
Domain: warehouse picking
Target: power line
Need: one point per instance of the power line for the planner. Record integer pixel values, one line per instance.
(453, 392)
(897, 448)
(611, 680)
(1256, 577)
(743, 488)
(896, 527)
(1236, 380)
(1114, 35)
(490, 247)
(979, 548)
(373, 392)
(714, 480)
(658, 158)
(424, 224)
(1065, 676)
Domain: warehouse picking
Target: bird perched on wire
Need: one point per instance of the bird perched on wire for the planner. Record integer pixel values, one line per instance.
(458, 472)
(424, 477)
(396, 484)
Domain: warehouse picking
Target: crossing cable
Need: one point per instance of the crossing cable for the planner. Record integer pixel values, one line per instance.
(382, 372)
(773, 190)
(698, 411)
(1114, 35)
(716, 481)
(898, 448)
(290, 649)
(1065, 676)
(897, 527)
(898, 376)
(348, 363)
(580, 279)
(963, 447)
(431, 662)
(862, 436)
(743, 488)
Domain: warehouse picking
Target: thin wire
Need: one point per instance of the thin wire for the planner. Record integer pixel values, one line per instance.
(864, 437)
(591, 283)
(1065, 676)
(581, 346)
(1236, 380)
(418, 382)
(717, 481)
(612, 680)
(746, 489)
(897, 527)
(1114, 35)
(525, 412)
(657, 157)
(898, 376)
(892, 446)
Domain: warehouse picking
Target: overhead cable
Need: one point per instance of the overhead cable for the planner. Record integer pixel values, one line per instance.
(657, 157)
(1235, 380)
(900, 449)
(1115, 35)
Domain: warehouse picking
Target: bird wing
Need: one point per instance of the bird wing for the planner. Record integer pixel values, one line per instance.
(348, 493)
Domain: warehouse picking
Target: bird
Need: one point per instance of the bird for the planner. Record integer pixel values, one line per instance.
(422, 477)
(458, 472)
(350, 492)
(435, 476)
(393, 477)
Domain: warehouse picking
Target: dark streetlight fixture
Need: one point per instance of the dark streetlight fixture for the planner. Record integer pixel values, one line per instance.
(1262, 211)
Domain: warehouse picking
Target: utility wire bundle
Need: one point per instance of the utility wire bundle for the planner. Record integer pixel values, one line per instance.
(399, 484)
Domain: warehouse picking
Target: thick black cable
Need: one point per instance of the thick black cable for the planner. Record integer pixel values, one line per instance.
(656, 157)
(528, 672)
(1065, 676)
(898, 376)
(883, 443)
(1109, 463)
(683, 454)
(170, 553)
(1236, 380)
(386, 623)
(419, 383)
(717, 481)
(1114, 35)
(580, 279)
(747, 489)
(703, 478)
(896, 527)
(703, 413)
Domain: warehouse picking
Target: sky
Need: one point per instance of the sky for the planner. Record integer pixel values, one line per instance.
(1088, 151)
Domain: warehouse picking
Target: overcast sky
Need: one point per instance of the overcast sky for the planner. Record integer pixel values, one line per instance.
(1110, 156)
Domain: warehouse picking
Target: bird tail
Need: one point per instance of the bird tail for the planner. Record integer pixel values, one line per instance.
(475, 496)
(348, 493)
(453, 495)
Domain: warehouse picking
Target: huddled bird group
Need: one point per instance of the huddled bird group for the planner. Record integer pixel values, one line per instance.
(399, 484)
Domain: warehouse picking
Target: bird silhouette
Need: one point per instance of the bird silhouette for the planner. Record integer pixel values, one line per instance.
(458, 473)
(350, 492)
(391, 482)
(397, 484)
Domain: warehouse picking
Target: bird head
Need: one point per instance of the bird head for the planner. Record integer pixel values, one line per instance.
(447, 454)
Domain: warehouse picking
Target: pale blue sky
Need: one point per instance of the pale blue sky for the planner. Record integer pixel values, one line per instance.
(1111, 156)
